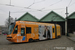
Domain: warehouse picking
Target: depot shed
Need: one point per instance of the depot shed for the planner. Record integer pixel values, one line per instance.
(71, 23)
(53, 17)
(28, 17)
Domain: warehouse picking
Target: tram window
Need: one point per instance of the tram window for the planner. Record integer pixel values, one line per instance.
(16, 29)
(28, 30)
(22, 31)
(53, 30)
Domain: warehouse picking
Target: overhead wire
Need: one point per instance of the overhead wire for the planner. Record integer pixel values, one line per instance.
(54, 9)
(35, 2)
(32, 3)
(55, 3)
(28, 6)
(17, 6)
(38, 10)
(69, 3)
(51, 4)
(32, 8)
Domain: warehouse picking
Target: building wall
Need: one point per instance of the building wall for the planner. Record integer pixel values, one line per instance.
(71, 25)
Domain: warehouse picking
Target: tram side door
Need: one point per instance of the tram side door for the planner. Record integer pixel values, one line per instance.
(23, 32)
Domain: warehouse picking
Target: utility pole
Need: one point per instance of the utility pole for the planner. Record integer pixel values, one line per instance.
(10, 2)
(9, 19)
(9, 15)
(66, 33)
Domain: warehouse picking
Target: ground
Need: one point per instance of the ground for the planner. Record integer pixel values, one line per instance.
(40, 45)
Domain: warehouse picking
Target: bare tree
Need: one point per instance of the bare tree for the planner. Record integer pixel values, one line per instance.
(7, 21)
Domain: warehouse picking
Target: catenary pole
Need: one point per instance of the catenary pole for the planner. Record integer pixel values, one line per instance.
(66, 33)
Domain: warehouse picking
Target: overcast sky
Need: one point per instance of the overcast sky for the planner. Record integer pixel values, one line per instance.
(37, 8)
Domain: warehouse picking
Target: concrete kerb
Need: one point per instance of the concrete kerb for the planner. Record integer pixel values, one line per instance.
(71, 38)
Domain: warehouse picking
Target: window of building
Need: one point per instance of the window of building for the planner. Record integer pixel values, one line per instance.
(22, 31)
(15, 30)
(28, 30)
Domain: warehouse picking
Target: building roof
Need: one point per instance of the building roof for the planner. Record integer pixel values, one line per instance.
(27, 17)
(52, 16)
(71, 16)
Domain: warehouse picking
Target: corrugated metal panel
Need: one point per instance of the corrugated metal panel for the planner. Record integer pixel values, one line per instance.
(52, 16)
(71, 16)
(27, 17)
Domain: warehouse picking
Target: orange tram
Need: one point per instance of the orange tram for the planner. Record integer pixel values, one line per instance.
(26, 31)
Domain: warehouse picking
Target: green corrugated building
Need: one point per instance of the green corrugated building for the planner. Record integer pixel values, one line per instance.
(28, 17)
